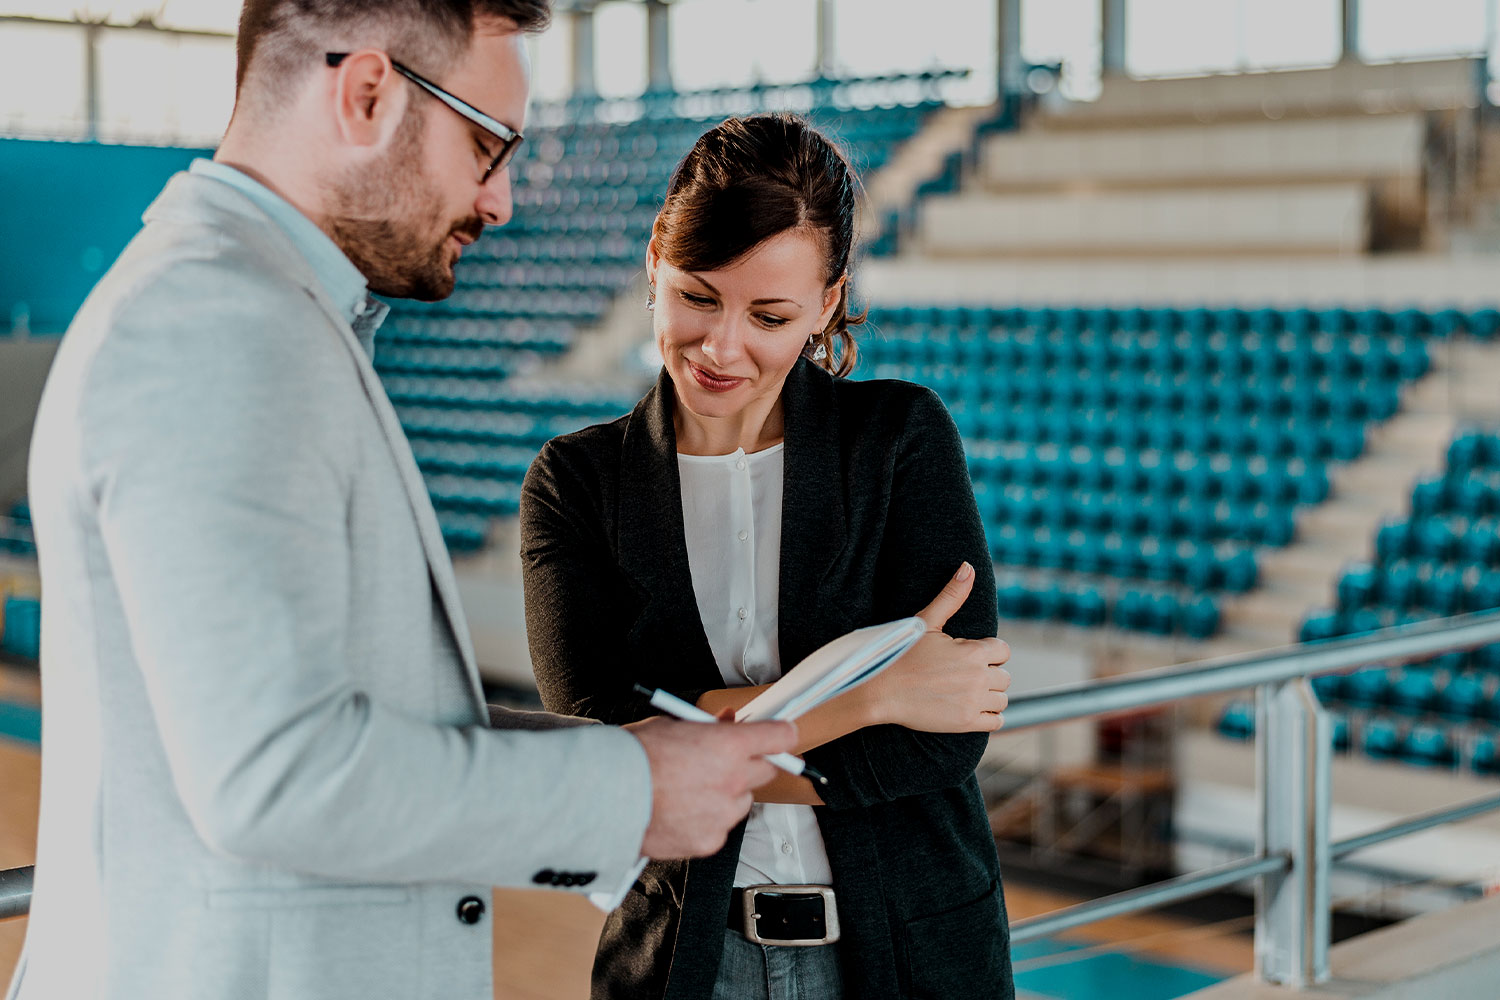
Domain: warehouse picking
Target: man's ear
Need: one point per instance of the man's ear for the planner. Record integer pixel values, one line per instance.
(369, 98)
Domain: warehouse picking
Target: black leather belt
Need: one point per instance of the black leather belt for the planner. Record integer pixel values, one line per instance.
(785, 915)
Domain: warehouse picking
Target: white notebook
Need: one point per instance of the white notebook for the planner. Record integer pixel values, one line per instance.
(842, 664)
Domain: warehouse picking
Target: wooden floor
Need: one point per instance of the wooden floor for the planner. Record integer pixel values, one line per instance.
(544, 941)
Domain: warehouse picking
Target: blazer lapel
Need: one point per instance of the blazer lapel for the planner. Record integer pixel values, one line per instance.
(439, 565)
(197, 199)
(814, 509)
(653, 547)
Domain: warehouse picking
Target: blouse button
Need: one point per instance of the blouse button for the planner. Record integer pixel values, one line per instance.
(744, 535)
(742, 614)
(740, 465)
(786, 848)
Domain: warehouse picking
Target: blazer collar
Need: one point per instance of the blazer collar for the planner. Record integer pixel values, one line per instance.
(652, 540)
(197, 200)
(653, 545)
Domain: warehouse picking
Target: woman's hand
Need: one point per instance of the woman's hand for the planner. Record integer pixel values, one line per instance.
(942, 684)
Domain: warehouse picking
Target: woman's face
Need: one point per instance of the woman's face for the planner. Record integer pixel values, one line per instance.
(729, 337)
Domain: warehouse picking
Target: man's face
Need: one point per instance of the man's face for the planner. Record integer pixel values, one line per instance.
(405, 220)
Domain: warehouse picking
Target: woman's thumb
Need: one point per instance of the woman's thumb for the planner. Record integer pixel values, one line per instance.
(952, 597)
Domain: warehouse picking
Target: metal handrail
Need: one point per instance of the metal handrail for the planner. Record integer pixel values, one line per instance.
(1398, 644)
(1296, 937)
(1146, 897)
(1417, 824)
(1263, 671)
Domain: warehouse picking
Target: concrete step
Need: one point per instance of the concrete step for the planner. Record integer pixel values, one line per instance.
(1304, 575)
(1330, 536)
(1467, 383)
(1306, 568)
(1368, 489)
(1291, 588)
(1419, 427)
(920, 158)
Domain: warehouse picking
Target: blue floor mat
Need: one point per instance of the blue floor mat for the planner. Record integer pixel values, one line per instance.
(1101, 975)
(20, 722)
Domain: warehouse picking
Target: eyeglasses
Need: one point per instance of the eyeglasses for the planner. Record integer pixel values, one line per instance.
(509, 138)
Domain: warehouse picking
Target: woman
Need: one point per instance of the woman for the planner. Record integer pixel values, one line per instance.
(754, 506)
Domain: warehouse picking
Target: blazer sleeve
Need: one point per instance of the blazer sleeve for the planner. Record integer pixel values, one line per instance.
(502, 717)
(579, 606)
(219, 459)
(932, 525)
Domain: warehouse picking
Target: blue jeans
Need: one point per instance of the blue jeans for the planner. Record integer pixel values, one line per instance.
(750, 971)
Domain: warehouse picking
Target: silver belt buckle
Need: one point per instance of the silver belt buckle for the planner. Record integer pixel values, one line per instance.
(830, 915)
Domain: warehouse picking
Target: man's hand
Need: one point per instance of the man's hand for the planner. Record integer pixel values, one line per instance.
(701, 779)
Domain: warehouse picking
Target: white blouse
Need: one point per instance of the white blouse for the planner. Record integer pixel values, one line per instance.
(731, 510)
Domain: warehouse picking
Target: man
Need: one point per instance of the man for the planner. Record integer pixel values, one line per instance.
(267, 769)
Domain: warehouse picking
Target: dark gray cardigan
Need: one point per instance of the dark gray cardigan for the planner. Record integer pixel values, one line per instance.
(878, 512)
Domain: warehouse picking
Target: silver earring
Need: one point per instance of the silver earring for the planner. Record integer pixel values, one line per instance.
(820, 352)
(650, 297)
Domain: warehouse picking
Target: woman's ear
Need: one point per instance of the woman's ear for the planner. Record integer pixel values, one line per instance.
(652, 258)
(831, 299)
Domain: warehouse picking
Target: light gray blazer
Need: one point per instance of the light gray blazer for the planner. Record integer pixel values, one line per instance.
(266, 765)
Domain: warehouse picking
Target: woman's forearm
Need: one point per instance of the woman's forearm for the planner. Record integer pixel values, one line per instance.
(834, 718)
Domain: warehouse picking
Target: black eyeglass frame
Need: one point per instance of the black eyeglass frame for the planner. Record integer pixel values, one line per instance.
(509, 138)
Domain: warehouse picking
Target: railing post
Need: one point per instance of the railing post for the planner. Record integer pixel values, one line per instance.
(15, 892)
(1292, 906)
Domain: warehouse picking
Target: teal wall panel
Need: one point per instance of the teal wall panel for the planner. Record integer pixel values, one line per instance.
(67, 209)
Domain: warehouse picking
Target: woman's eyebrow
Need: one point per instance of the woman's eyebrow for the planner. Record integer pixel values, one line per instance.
(756, 302)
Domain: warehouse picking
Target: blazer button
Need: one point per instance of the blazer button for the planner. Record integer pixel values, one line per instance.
(544, 877)
(471, 909)
(586, 878)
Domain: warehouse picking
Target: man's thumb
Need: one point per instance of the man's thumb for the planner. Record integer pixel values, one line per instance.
(952, 597)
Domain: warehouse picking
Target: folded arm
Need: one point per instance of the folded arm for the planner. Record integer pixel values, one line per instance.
(928, 734)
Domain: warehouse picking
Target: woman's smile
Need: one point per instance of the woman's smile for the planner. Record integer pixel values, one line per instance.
(713, 382)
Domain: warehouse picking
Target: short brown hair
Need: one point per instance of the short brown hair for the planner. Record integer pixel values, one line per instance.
(749, 179)
(280, 40)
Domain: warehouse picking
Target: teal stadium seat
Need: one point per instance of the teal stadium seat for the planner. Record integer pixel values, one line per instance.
(22, 630)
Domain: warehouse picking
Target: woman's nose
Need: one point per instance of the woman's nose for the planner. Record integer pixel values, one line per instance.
(725, 340)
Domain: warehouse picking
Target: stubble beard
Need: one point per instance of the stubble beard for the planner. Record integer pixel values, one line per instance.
(386, 219)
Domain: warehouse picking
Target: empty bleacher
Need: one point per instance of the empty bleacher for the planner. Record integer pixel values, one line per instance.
(1241, 185)
(15, 532)
(1372, 147)
(1128, 463)
(1324, 218)
(20, 609)
(1376, 88)
(1443, 559)
(20, 627)
(1308, 187)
